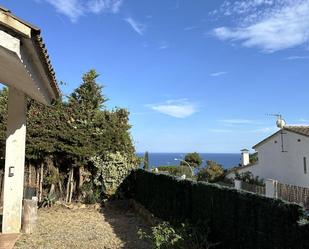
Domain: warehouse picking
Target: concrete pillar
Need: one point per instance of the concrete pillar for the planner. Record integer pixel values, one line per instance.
(271, 188)
(14, 162)
(237, 184)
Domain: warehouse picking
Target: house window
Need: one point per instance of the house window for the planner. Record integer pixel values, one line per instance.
(305, 165)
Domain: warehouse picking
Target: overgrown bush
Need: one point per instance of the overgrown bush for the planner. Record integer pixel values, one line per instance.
(249, 178)
(91, 193)
(194, 159)
(176, 170)
(111, 170)
(213, 172)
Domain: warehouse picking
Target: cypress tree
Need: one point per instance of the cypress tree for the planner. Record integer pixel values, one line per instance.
(146, 161)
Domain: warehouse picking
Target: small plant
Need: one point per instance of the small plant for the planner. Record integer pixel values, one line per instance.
(91, 194)
(48, 200)
(162, 236)
(166, 236)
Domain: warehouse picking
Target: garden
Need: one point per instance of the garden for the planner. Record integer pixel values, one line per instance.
(82, 166)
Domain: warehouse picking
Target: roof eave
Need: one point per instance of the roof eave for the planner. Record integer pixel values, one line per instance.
(29, 31)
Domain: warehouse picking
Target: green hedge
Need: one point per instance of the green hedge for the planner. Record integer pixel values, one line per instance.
(236, 219)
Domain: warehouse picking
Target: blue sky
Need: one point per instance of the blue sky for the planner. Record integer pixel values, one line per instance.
(195, 75)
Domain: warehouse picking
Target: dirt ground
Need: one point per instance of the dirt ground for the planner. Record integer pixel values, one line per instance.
(114, 226)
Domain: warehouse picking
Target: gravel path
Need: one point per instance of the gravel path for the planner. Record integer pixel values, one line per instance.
(112, 227)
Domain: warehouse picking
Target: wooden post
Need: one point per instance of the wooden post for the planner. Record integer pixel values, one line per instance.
(30, 214)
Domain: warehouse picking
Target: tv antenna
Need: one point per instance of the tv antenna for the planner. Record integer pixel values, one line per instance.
(280, 121)
(280, 124)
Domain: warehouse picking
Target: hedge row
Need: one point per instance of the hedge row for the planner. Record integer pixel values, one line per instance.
(236, 219)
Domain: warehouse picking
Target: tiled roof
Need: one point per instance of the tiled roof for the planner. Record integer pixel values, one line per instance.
(41, 50)
(301, 130)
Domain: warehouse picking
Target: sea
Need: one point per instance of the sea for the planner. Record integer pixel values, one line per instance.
(227, 160)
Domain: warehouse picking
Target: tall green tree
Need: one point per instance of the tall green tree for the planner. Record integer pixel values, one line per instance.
(82, 115)
(67, 134)
(194, 159)
(146, 160)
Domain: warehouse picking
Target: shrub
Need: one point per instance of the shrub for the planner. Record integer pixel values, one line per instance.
(111, 170)
(91, 193)
(48, 200)
(194, 159)
(212, 173)
(249, 178)
(236, 219)
(184, 236)
(176, 170)
(163, 236)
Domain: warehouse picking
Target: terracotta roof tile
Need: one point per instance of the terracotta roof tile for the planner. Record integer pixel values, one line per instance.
(302, 130)
(41, 49)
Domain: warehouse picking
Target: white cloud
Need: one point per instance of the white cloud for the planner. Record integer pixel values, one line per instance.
(137, 27)
(217, 74)
(190, 28)
(238, 121)
(74, 9)
(163, 45)
(180, 108)
(303, 122)
(97, 6)
(270, 25)
(296, 57)
(265, 130)
(220, 130)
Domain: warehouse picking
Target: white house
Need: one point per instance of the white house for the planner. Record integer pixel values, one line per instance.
(283, 156)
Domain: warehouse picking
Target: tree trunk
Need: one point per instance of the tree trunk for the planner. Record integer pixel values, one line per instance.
(52, 189)
(29, 175)
(80, 181)
(60, 190)
(68, 188)
(41, 182)
(71, 185)
(37, 182)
